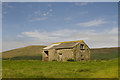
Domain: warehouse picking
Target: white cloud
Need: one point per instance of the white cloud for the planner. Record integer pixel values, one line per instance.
(35, 34)
(114, 30)
(37, 12)
(68, 18)
(47, 35)
(50, 10)
(44, 14)
(81, 3)
(40, 15)
(7, 5)
(94, 39)
(92, 23)
(19, 36)
(38, 19)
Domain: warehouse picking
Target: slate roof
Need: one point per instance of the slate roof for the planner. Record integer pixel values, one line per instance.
(65, 45)
(62, 45)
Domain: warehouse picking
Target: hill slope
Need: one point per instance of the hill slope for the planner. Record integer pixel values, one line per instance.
(24, 52)
(34, 53)
(104, 53)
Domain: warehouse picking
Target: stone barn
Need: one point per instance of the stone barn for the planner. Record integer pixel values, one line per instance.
(69, 50)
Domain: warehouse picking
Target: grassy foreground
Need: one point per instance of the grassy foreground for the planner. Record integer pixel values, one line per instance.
(39, 69)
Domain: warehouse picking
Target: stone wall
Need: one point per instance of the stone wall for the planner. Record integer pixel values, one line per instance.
(81, 54)
(66, 54)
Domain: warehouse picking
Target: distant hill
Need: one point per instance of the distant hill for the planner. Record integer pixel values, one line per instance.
(29, 52)
(104, 53)
(34, 53)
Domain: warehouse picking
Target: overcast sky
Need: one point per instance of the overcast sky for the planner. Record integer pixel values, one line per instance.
(42, 23)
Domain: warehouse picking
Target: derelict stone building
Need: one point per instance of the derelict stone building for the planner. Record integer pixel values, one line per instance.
(63, 51)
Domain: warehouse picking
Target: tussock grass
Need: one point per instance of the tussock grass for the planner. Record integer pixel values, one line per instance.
(39, 69)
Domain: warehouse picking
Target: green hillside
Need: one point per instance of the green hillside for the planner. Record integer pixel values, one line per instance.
(104, 53)
(34, 53)
(29, 52)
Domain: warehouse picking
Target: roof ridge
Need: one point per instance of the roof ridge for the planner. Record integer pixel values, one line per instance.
(68, 41)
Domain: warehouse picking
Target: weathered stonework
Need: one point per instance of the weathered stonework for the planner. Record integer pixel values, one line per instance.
(64, 51)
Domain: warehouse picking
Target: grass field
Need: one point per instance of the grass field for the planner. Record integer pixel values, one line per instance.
(39, 69)
(26, 63)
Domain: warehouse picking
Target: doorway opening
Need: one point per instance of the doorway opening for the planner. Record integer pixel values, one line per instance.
(46, 52)
(82, 59)
(60, 56)
(46, 57)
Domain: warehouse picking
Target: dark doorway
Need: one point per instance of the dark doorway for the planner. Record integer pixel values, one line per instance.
(46, 57)
(46, 52)
(82, 59)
